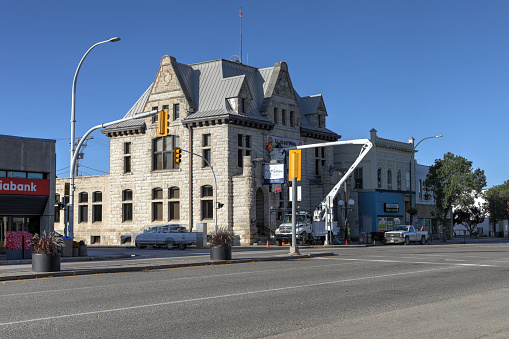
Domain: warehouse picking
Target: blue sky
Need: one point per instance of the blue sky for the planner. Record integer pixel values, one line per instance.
(406, 68)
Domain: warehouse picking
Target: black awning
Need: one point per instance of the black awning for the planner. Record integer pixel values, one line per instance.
(22, 204)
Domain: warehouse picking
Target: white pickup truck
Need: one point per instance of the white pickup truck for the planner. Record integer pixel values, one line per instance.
(169, 236)
(406, 234)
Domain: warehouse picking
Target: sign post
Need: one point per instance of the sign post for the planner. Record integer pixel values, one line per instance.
(294, 173)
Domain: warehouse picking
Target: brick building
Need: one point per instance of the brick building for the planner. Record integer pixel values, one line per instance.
(239, 118)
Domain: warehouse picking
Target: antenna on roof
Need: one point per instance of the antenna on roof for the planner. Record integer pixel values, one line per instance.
(240, 14)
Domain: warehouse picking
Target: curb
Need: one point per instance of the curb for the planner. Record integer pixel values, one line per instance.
(157, 267)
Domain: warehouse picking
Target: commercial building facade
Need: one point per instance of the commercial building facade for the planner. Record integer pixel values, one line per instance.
(380, 185)
(27, 185)
(237, 117)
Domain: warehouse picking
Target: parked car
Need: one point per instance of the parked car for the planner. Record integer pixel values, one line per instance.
(406, 234)
(169, 236)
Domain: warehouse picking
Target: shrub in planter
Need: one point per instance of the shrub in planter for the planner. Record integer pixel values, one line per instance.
(45, 256)
(221, 245)
(83, 252)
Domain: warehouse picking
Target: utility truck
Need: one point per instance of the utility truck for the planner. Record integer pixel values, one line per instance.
(307, 231)
(321, 226)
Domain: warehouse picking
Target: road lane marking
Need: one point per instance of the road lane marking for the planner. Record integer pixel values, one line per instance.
(219, 296)
(404, 262)
(145, 282)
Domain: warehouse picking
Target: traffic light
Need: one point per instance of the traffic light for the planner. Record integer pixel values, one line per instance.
(176, 155)
(162, 127)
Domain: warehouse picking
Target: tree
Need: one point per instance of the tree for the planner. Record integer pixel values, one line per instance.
(497, 201)
(470, 217)
(453, 183)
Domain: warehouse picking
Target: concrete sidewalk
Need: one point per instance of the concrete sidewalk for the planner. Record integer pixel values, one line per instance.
(102, 261)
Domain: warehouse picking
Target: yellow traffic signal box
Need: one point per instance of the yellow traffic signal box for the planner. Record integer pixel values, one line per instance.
(294, 164)
(162, 127)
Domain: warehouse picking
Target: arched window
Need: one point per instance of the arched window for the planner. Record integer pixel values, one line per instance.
(157, 206)
(207, 210)
(83, 209)
(407, 180)
(127, 205)
(83, 197)
(173, 203)
(97, 207)
(157, 193)
(389, 179)
(398, 180)
(379, 177)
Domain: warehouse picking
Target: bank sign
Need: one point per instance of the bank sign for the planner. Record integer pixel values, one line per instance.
(24, 186)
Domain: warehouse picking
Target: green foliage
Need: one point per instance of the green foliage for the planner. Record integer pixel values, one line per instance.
(497, 201)
(470, 217)
(223, 237)
(453, 183)
(46, 243)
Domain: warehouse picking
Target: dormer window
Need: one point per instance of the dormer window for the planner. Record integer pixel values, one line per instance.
(321, 121)
(242, 105)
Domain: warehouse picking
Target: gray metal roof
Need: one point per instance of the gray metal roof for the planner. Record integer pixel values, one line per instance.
(209, 85)
(309, 105)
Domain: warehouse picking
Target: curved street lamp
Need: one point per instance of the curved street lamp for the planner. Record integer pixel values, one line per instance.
(412, 195)
(73, 131)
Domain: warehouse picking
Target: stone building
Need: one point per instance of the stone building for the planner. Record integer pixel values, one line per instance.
(380, 185)
(240, 118)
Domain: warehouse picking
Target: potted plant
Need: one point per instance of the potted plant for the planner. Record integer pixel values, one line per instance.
(221, 244)
(45, 256)
(83, 249)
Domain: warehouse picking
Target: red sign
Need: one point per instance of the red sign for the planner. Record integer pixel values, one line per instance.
(24, 186)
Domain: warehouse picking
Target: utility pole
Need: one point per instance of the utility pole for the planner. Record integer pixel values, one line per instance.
(81, 155)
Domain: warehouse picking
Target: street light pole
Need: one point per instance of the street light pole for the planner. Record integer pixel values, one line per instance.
(411, 164)
(73, 132)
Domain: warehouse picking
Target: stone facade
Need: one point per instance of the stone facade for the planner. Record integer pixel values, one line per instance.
(239, 118)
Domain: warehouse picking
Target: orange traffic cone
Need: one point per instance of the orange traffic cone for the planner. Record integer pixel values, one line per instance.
(346, 241)
(283, 242)
(267, 243)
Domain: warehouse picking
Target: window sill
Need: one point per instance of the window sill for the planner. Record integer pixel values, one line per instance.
(167, 170)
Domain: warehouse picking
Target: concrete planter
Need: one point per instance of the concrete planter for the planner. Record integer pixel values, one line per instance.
(46, 262)
(220, 253)
(83, 251)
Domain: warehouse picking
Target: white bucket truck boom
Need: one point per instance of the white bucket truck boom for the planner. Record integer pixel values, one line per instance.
(322, 217)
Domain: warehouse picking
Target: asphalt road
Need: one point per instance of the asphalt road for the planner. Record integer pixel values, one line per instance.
(430, 291)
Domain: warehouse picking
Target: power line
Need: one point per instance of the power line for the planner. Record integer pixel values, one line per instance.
(95, 169)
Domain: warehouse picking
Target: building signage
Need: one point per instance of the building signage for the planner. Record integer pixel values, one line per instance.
(24, 186)
(274, 174)
(391, 208)
(278, 147)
